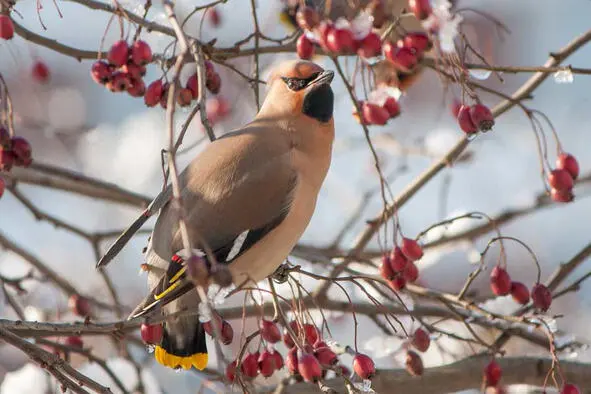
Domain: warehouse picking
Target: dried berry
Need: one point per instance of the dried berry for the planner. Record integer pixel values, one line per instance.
(414, 363)
(79, 305)
(541, 297)
(421, 340)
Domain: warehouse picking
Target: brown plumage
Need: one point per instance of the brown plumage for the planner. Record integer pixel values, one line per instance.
(248, 196)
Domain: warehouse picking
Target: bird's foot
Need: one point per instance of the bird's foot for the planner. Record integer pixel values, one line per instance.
(281, 274)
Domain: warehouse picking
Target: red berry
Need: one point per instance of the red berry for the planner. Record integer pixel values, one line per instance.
(193, 85)
(21, 150)
(309, 367)
(520, 292)
(311, 333)
(411, 249)
(214, 83)
(79, 305)
(6, 159)
(210, 327)
(74, 341)
(231, 371)
(455, 108)
(291, 361)
(133, 70)
(421, 8)
(386, 270)
(288, 340)
(370, 46)
(154, 93)
(560, 180)
(118, 53)
(40, 72)
(569, 163)
(214, 17)
(100, 72)
(250, 365)
(492, 373)
(420, 340)
(151, 333)
(482, 117)
(184, 97)
(217, 109)
(269, 331)
(141, 53)
(6, 27)
(500, 281)
(119, 83)
(411, 272)
(392, 106)
(2, 186)
(570, 388)
(374, 114)
(325, 356)
(278, 359)
(267, 364)
(307, 18)
(465, 120)
(398, 283)
(398, 260)
(541, 297)
(403, 59)
(324, 29)
(562, 195)
(418, 41)
(227, 333)
(363, 366)
(414, 363)
(304, 48)
(137, 88)
(340, 41)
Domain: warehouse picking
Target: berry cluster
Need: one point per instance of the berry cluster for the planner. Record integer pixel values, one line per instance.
(493, 374)
(398, 267)
(501, 285)
(359, 36)
(124, 69)
(309, 363)
(562, 178)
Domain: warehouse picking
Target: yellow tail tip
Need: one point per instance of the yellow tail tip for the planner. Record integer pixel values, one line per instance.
(197, 360)
(287, 21)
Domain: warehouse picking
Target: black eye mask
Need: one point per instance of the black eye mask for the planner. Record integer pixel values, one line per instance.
(296, 84)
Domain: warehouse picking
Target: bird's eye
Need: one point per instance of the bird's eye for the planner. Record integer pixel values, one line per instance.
(296, 84)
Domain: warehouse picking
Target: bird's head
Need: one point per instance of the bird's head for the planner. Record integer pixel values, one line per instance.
(300, 88)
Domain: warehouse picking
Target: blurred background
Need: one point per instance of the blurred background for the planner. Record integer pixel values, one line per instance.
(76, 124)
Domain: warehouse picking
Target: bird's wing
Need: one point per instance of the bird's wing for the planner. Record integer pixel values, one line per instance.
(234, 193)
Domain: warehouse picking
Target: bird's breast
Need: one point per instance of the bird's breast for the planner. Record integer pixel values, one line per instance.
(263, 258)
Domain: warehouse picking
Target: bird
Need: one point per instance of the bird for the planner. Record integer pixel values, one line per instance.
(247, 197)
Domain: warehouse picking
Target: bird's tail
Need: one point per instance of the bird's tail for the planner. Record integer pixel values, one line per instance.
(183, 345)
(159, 202)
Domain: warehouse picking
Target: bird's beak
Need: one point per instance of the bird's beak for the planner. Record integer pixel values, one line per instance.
(324, 77)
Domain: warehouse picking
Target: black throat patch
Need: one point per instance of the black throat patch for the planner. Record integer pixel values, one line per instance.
(319, 103)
